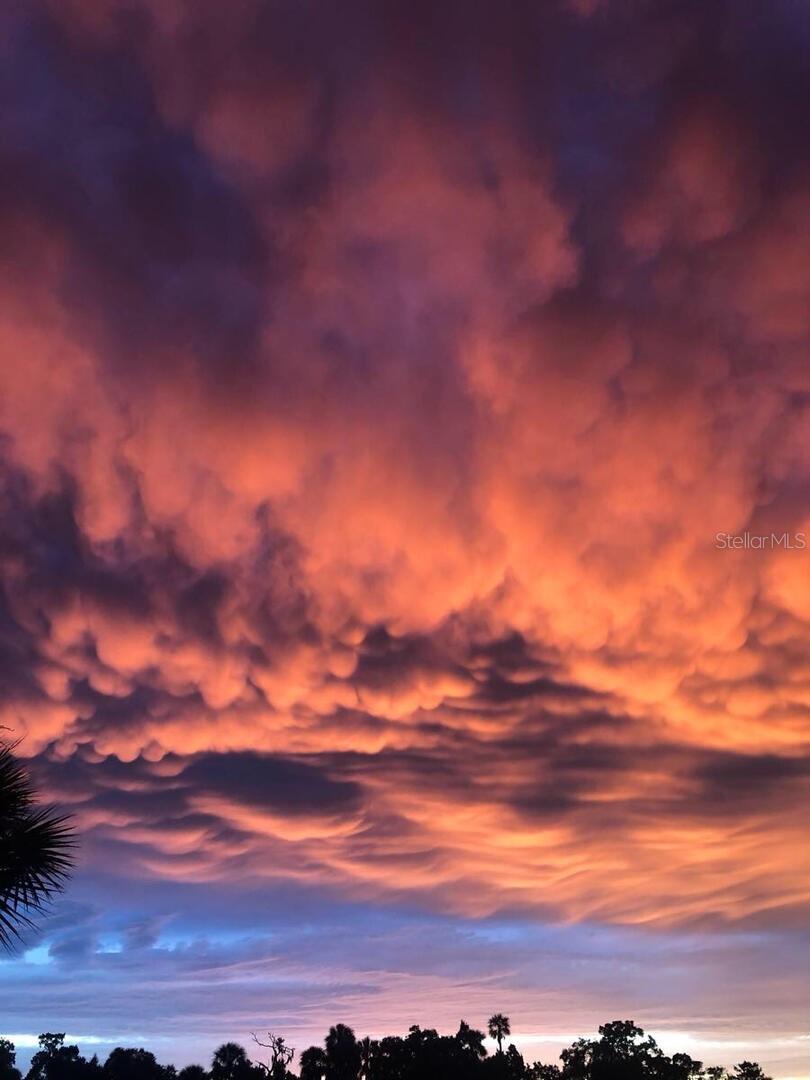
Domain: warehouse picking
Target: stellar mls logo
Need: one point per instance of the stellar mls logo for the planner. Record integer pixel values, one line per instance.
(760, 541)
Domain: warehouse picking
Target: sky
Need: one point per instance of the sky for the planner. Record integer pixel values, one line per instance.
(405, 516)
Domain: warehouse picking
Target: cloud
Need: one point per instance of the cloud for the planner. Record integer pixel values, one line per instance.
(371, 397)
(281, 970)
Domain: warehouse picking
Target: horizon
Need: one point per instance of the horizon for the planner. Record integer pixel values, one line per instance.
(668, 1041)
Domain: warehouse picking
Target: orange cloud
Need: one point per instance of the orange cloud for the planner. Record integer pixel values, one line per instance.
(363, 428)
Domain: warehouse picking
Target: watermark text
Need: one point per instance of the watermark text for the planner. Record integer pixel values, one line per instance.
(749, 541)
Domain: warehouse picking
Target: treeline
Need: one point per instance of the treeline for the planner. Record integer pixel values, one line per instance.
(621, 1052)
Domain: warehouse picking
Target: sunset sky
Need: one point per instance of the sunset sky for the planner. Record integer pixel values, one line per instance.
(375, 380)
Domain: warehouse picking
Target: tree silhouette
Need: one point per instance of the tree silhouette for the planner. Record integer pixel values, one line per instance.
(56, 1061)
(621, 1052)
(471, 1039)
(132, 1064)
(499, 1029)
(313, 1063)
(280, 1055)
(681, 1067)
(35, 850)
(8, 1060)
(509, 1066)
(368, 1050)
(342, 1053)
(230, 1062)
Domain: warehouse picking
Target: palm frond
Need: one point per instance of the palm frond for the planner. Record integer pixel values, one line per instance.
(36, 850)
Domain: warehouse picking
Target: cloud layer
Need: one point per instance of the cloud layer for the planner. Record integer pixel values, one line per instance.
(375, 381)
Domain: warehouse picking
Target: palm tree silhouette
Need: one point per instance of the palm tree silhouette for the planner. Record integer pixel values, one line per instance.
(35, 850)
(343, 1053)
(499, 1028)
(230, 1062)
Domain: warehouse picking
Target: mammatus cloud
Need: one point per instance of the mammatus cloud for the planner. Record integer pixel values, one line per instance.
(373, 389)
